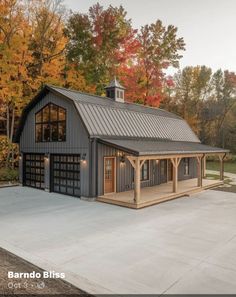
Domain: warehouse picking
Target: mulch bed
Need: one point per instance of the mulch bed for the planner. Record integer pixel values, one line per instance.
(30, 287)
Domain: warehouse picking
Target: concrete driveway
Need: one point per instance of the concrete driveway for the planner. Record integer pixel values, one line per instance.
(186, 245)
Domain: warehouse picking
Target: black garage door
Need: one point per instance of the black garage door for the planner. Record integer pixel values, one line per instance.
(65, 174)
(34, 170)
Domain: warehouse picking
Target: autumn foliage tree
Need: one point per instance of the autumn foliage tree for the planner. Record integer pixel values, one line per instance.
(100, 42)
(41, 42)
(207, 101)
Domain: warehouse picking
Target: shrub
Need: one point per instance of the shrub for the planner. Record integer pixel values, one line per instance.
(9, 153)
(8, 174)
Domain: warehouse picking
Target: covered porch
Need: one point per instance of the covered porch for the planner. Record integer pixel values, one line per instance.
(157, 194)
(141, 197)
(137, 152)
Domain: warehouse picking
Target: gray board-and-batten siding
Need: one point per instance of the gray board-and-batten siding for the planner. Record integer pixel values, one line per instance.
(124, 172)
(77, 141)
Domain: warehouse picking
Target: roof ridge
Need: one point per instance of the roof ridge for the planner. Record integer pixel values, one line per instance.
(133, 111)
(112, 100)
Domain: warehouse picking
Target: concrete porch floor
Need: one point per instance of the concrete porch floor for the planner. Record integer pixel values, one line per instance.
(157, 194)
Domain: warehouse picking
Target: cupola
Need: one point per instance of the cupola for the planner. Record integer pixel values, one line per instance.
(115, 91)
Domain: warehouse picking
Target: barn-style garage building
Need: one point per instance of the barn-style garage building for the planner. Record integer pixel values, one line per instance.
(103, 147)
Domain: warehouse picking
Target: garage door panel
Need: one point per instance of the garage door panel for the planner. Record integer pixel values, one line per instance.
(34, 170)
(66, 174)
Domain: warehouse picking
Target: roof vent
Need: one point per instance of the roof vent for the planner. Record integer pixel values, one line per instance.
(115, 91)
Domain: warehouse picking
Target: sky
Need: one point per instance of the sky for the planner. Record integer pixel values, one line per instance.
(207, 26)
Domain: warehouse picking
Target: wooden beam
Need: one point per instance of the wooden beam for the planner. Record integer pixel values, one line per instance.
(137, 181)
(141, 164)
(204, 166)
(132, 162)
(161, 157)
(221, 157)
(175, 162)
(199, 171)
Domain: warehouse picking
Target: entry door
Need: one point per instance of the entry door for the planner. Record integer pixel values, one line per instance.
(109, 175)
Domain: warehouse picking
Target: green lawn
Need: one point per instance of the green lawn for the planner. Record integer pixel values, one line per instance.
(228, 166)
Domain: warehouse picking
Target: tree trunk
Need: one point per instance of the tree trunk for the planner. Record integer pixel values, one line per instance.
(8, 121)
(12, 124)
(11, 137)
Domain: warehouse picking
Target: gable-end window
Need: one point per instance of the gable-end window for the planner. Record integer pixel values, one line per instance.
(186, 166)
(145, 171)
(50, 124)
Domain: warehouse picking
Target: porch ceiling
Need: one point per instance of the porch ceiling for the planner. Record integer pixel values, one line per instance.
(146, 147)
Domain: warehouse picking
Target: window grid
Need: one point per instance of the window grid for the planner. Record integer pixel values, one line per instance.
(50, 124)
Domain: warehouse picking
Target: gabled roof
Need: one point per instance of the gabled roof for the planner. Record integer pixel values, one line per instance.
(103, 116)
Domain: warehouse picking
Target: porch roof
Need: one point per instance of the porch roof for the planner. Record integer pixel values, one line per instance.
(159, 147)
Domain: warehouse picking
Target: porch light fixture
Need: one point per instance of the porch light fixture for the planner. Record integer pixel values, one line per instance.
(46, 157)
(83, 158)
(119, 154)
(122, 159)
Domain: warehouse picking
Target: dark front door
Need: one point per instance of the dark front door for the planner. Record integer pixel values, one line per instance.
(34, 170)
(163, 171)
(109, 175)
(65, 174)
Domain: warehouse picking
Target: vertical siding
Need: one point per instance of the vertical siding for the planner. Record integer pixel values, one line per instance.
(192, 169)
(77, 141)
(21, 170)
(124, 172)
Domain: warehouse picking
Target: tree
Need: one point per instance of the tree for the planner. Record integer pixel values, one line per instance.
(207, 102)
(190, 89)
(47, 44)
(159, 49)
(14, 32)
(99, 42)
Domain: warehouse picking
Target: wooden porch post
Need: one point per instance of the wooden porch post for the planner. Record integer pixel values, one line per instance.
(221, 157)
(204, 167)
(137, 181)
(175, 163)
(199, 171)
(137, 165)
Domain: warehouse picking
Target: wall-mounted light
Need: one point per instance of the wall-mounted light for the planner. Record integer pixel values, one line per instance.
(20, 155)
(122, 159)
(46, 157)
(119, 153)
(157, 161)
(83, 158)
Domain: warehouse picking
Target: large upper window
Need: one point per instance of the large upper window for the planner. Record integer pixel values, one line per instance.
(50, 124)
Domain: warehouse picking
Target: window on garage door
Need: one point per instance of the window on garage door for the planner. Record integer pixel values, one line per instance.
(66, 174)
(34, 170)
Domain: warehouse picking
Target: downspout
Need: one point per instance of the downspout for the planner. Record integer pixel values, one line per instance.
(90, 167)
(96, 173)
(93, 163)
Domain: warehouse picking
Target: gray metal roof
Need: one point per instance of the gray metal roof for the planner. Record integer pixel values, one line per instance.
(114, 84)
(105, 117)
(150, 147)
